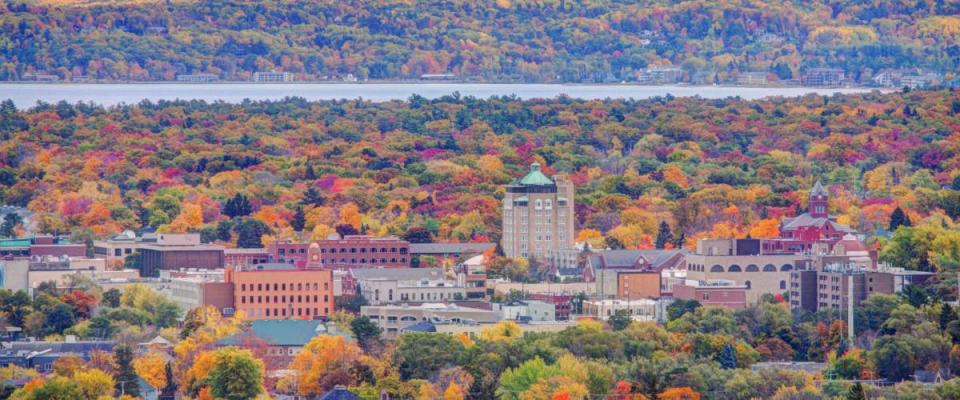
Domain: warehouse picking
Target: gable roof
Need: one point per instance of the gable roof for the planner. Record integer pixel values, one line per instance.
(658, 259)
(340, 393)
(806, 219)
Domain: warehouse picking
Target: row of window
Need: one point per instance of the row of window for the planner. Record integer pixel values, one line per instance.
(282, 312)
(737, 268)
(403, 250)
(364, 260)
(283, 299)
(283, 286)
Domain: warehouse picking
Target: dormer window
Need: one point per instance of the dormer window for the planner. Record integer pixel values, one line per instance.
(539, 204)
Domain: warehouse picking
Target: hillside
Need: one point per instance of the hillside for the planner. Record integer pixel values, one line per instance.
(706, 167)
(546, 41)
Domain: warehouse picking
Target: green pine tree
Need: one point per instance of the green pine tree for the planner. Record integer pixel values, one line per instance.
(124, 375)
(897, 219)
(728, 357)
(664, 235)
(856, 392)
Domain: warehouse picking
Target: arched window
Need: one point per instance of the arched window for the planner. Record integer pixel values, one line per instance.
(734, 268)
(786, 267)
(769, 268)
(783, 285)
(539, 204)
(753, 268)
(716, 268)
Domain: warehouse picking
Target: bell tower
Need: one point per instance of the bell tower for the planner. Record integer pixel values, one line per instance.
(819, 201)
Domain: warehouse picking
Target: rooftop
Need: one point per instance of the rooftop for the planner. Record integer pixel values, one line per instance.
(289, 332)
(535, 177)
(449, 248)
(396, 273)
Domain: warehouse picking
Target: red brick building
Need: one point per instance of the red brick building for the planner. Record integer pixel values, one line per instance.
(800, 233)
(722, 294)
(352, 251)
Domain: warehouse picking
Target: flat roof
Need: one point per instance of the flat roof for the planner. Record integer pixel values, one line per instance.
(200, 247)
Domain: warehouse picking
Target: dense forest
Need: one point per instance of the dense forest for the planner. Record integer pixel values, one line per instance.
(245, 174)
(522, 40)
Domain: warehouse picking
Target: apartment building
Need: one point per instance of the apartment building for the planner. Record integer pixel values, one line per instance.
(828, 287)
(538, 215)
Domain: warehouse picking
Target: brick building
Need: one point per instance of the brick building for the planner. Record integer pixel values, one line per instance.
(351, 251)
(714, 293)
(281, 291)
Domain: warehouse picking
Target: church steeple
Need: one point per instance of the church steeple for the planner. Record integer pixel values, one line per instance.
(819, 201)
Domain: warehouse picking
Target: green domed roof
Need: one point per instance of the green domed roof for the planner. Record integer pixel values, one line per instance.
(535, 177)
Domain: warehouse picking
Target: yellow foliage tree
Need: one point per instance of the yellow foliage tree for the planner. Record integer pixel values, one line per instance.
(94, 383)
(320, 356)
(152, 368)
(503, 330)
(350, 215)
(765, 228)
(453, 392)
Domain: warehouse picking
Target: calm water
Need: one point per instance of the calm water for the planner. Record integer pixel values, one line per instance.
(27, 95)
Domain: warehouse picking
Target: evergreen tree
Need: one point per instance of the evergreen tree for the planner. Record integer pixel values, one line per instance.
(418, 235)
(664, 235)
(312, 197)
(955, 185)
(898, 218)
(124, 375)
(250, 233)
(310, 175)
(947, 315)
(728, 357)
(678, 240)
(856, 392)
(238, 206)
(299, 220)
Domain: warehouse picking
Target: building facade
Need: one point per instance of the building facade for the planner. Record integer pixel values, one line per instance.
(538, 215)
(393, 318)
(722, 293)
(281, 291)
(351, 251)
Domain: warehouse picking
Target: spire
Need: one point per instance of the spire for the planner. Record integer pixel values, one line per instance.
(818, 190)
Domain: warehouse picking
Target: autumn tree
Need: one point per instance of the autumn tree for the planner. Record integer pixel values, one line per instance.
(236, 375)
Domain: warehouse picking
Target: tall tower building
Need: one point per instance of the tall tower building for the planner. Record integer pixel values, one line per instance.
(538, 216)
(819, 201)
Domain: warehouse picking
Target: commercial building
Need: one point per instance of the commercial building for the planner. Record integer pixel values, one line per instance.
(720, 293)
(538, 216)
(638, 310)
(396, 285)
(660, 75)
(442, 252)
(527, 310)
(180, 251)
(823, 77)
(193, 292)
(126, 243)
(351, 251)
(393, 318)
(742, 261)
(197, 78)
(245, 257)
(605, 267)
(281, 291)
(40, 246)
(272, 76)
(562, 303)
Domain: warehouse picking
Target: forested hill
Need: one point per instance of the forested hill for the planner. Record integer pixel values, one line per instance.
(542, 40)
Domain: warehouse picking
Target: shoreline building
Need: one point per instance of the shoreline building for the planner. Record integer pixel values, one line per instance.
(538, 216)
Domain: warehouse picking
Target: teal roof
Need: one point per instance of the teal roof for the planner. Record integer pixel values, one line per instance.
(287, 332)
(535, 177)
(15, 243)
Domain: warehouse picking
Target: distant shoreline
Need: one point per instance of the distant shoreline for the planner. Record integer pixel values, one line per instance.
(440, 82)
